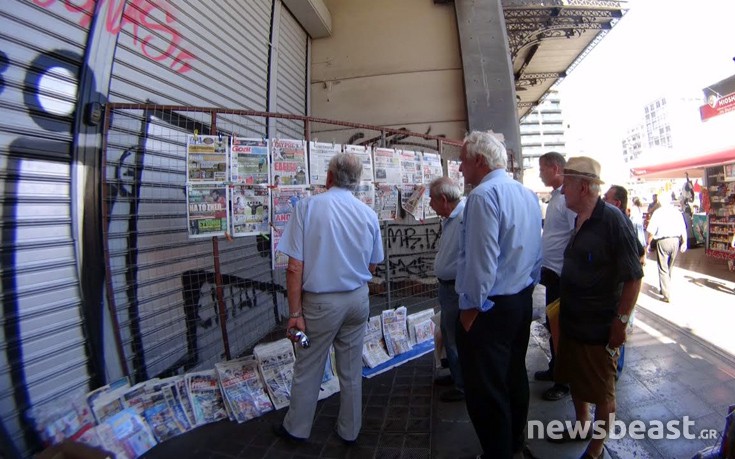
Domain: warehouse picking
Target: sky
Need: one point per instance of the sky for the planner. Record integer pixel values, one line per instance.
(658, 47)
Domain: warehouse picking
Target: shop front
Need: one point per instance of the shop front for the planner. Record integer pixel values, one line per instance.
(714, 225)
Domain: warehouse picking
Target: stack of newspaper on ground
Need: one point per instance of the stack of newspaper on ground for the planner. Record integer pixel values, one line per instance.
(394, 333)
(128, 421)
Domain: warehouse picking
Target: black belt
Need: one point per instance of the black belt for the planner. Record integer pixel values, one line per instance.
(495, 298)
(667, 237)
(446, 282)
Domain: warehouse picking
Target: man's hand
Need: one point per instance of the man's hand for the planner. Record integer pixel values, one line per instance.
(467, 318)
(298, 323)
(683, 248)
(617, 333)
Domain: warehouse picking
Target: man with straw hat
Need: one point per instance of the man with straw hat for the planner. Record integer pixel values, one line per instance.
(600, 281)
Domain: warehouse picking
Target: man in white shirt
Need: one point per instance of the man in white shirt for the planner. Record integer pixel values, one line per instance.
(668, 229)
(446, 200)
(558, 227)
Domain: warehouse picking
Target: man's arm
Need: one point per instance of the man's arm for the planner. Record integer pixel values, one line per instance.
(628, 300)
(294, 285)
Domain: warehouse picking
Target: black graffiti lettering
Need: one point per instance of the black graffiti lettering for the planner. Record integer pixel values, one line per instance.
(200, 294)
(413, 238)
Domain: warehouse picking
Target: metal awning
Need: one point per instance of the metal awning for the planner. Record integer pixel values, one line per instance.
(677, 168)
(549, 38)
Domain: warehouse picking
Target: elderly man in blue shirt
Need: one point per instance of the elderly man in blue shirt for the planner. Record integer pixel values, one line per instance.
(446, 200)
(498, 268)
(333, 243)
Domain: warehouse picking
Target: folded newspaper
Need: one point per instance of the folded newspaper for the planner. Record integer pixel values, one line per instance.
(373, 348)
(275, 361)
(395, 332)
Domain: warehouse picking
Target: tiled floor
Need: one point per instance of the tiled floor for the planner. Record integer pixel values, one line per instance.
(671, 371)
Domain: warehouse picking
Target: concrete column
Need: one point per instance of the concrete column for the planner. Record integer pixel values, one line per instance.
(488, 73)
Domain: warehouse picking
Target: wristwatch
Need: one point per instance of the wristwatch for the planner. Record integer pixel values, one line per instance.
(623, 318)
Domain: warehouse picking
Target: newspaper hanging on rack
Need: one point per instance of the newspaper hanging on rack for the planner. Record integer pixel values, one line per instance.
(249, 161)
(386, 201)
(288, 160)
(365, 190)
(284, 202)
(432, 166)
(250, 210)
(387, 163)
(454, 173)
(206, 158)
(412, 200)
(365, 154)
(320, 154)
(411, 171)
(206, 206)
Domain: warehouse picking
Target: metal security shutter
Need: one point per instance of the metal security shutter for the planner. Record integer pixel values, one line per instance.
(162, 281)
(291, 75)
(206, 54)
(42, 342)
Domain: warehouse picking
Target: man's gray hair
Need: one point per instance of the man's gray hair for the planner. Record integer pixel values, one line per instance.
(489, 147)
(346, 169)
(444, 186)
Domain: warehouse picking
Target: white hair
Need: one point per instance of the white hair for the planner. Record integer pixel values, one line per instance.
(445, 186)
(487, 145)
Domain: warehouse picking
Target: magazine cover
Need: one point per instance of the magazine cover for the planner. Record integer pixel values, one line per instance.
(373, 348)
(66, 418)
(207, 209)
(284, 202)
(366, 155)
(386, 201)
(249, 161)
(162, 420)
(243, 388)
(132, 432)
(170, 395)
(206, 158)
(250, 210)
(205, 396)
(181, 392)
(275, 361)
(320, 154)
(411, 170)
(387, 164)
(288, 162)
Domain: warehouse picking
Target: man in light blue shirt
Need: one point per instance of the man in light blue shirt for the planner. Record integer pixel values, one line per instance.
(333, 243)
(558, 227)
(498, 267)
(446, 200)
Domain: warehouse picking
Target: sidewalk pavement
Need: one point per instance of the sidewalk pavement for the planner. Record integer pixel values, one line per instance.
(678, 363)
(672, 370)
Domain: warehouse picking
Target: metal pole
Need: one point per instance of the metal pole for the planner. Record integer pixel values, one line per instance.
(221, 308)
